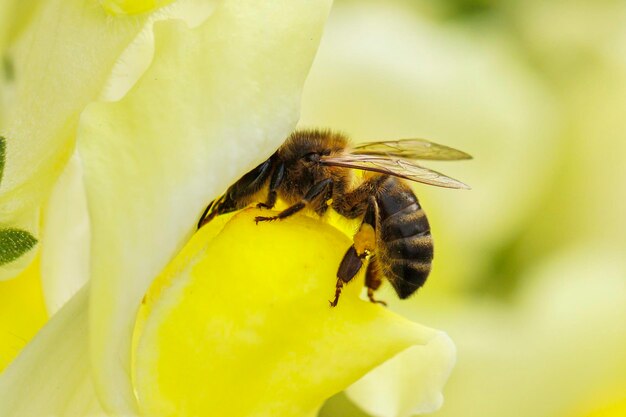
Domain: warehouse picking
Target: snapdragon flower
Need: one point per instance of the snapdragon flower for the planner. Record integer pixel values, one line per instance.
(122, 120)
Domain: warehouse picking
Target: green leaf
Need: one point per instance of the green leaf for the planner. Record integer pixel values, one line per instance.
(3, 147)
(14, 243)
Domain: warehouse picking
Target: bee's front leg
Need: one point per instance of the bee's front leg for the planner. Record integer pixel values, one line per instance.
(277, 178)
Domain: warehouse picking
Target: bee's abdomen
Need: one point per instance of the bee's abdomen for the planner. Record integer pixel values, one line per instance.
(405, 242)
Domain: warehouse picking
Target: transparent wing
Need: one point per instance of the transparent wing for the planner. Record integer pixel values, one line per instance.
(393, 166)
(411, 149)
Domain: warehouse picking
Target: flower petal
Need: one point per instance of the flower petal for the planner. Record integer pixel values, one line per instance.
(557, 350)
(248, 307)
(216, 100)
(408, 384)
(51, 377)
(39, 126)
(65, 238)
(22, 312)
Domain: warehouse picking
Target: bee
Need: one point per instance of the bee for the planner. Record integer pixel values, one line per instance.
(314, 169)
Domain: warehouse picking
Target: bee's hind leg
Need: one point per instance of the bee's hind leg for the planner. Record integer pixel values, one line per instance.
(363, 246)
(348, 268)
(373, 280)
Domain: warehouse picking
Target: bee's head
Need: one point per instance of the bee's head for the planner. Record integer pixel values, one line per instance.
(308, 146)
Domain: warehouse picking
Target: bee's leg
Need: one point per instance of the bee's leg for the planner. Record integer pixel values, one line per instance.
(315, 191)
(373, 280)
(338, 288)
(277, 178)
(353, 204)
(364, 245)
(348, 268)
(323, 202)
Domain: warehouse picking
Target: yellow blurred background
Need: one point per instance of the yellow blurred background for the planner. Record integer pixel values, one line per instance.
(530, 272)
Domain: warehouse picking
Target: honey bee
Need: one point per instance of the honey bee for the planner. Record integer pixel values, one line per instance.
(314, 169)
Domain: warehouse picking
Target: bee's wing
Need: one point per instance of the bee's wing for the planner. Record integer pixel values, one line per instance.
(411, 149)
(393, 166)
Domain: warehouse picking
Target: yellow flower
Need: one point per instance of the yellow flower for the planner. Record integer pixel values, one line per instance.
(119, 130)
(260, 338)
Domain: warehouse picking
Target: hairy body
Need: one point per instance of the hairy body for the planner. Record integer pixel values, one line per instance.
(315, 169)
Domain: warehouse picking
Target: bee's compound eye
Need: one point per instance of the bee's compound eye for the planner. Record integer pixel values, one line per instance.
(312, 157)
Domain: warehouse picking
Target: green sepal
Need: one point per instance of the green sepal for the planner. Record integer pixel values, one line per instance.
(14, 243)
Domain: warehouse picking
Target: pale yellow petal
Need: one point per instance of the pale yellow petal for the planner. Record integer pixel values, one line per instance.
(215, 101)
(136, 58)
(65, 238)
(410, 383)
(14, 16)
(558, 351)
(52, 375)
(51, 86)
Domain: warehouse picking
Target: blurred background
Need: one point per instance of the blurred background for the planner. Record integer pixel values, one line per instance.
(529, 275)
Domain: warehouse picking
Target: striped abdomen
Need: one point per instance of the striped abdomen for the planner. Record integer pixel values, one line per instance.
(405, 246)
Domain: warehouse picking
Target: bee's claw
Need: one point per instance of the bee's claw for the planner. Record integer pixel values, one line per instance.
(338, 288)
(375, 301)
(258, 219)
